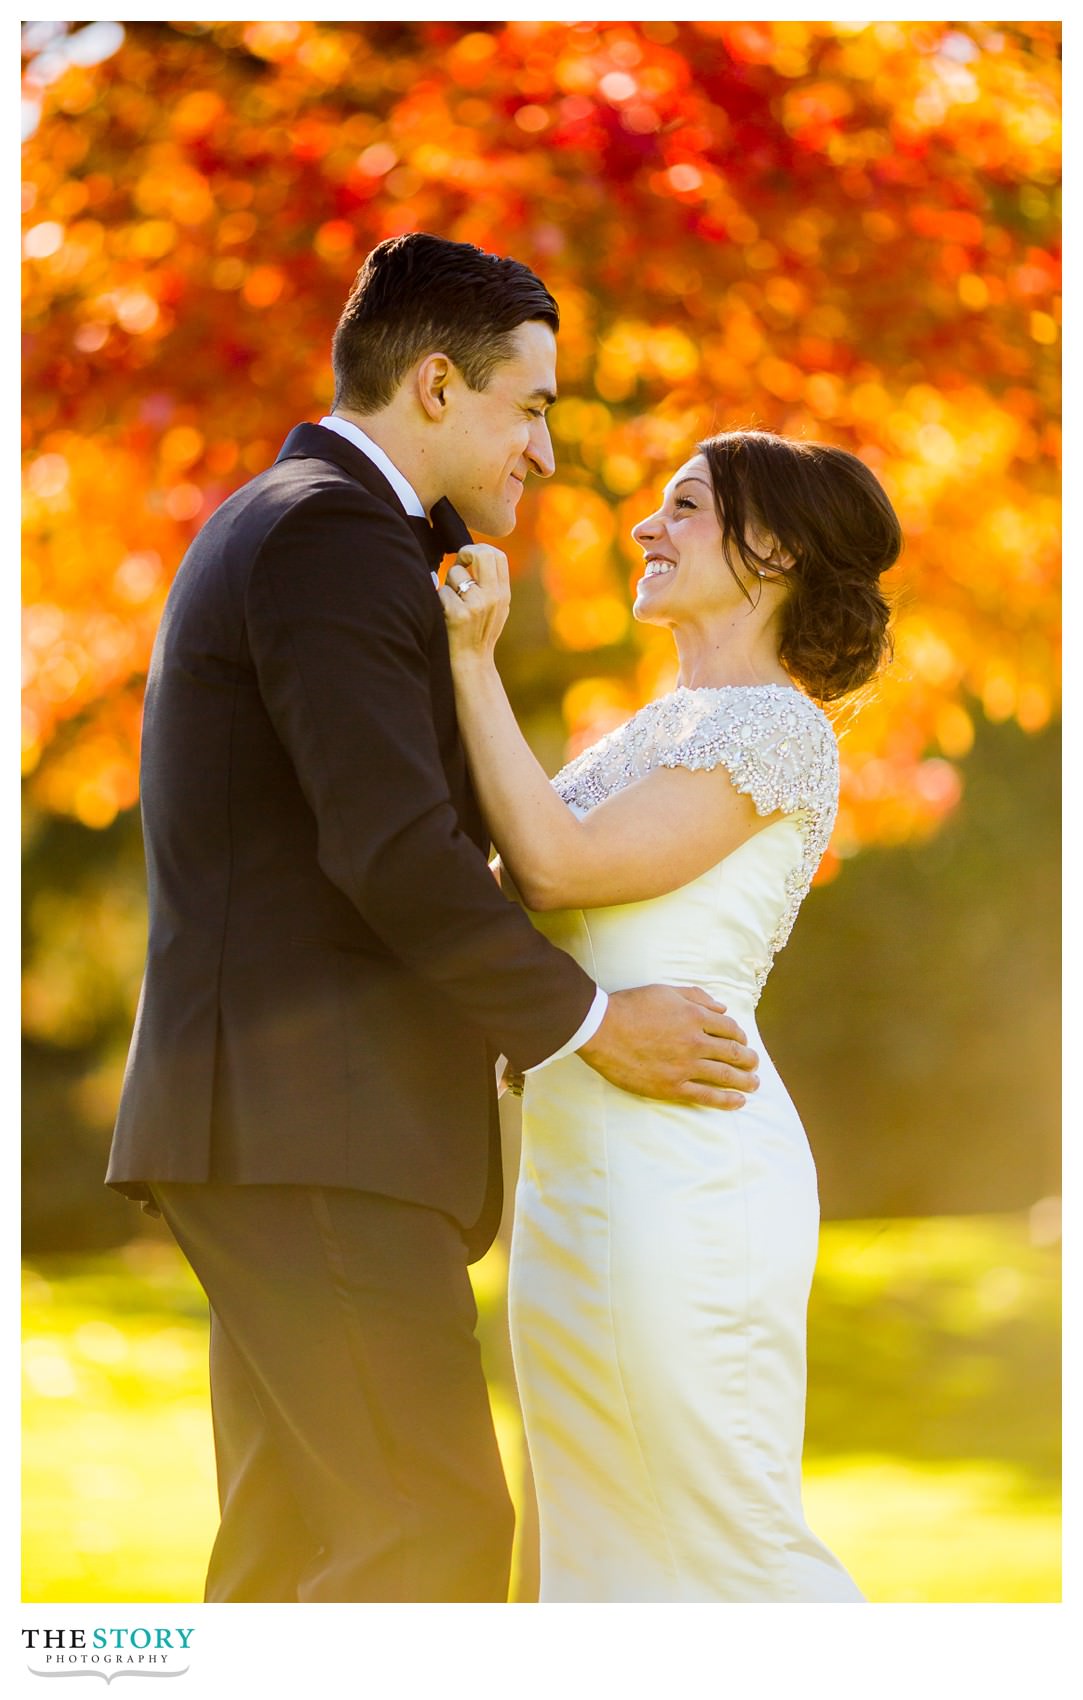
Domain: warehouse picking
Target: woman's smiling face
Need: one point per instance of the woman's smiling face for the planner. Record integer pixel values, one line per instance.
(685, 572)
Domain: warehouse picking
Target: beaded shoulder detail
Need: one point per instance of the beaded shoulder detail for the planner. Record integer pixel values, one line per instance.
(775, 743)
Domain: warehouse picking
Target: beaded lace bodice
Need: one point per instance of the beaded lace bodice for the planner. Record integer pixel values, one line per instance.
(776, 745)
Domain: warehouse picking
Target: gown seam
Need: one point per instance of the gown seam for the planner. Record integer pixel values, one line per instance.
(632, 1424)
(768, 1521)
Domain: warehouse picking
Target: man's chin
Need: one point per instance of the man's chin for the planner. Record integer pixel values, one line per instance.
(492, 522)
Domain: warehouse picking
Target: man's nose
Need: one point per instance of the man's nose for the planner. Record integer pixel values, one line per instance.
(540, 450)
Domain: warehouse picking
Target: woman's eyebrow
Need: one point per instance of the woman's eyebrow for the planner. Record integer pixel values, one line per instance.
(692, 478)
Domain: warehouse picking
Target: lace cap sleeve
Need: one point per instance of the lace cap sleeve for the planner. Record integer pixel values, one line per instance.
(775, 744)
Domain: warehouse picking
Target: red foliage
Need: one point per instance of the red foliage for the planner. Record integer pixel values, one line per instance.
(842, 231)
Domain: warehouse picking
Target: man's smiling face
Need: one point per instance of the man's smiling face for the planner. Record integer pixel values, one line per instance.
(499, 434)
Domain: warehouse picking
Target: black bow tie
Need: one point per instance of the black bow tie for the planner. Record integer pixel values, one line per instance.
(445, 535)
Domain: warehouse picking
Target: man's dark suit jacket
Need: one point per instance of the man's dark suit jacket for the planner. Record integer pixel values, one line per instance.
(331, 968)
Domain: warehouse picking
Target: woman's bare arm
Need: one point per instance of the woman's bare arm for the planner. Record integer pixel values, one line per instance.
(655, 835)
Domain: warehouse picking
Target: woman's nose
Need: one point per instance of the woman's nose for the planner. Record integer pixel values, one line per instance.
(647, 529)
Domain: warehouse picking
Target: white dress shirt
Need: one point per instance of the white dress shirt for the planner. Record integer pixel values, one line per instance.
(412, 502)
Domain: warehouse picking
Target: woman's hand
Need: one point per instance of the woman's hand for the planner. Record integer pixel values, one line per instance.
(476, 597)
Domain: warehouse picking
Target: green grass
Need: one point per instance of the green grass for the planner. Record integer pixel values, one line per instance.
(932, 1456)
(933, 1431)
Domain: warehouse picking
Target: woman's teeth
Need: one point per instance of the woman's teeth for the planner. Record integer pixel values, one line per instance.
(656, 566)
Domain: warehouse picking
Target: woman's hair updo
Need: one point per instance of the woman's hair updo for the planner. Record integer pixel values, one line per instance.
(825, 508)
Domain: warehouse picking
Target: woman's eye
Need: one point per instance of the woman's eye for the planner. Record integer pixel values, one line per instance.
(684, 502)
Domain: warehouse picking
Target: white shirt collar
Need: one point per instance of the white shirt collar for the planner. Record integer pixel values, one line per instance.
(402, 487)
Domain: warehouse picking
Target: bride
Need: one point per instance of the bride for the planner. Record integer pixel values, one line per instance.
(662, 1254)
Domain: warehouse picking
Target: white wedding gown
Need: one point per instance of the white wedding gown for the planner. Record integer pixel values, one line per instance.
(662, 1255)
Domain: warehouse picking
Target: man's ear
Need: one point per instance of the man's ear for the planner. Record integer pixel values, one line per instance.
(433, 377)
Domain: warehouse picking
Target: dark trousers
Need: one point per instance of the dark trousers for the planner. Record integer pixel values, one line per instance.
(354, 1442)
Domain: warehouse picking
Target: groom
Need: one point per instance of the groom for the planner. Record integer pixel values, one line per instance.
(331, 968)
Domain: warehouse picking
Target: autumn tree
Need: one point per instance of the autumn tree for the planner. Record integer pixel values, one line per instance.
(847, 232)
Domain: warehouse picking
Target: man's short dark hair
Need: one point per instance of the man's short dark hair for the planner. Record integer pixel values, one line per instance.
(417, 294)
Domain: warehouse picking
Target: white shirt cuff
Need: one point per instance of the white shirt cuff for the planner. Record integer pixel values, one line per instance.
(594, 1017)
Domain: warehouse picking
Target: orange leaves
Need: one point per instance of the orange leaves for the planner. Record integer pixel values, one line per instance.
(273, 41)
(263, 285)
(839, 230)
(947, 225)
(171, 187)
(889, 801)
(781, 378)
(196, 114)
(633, 352)
(594, 706)
(752, 43)
(814, 112)
(470, 61)
(575, 534)
(180, 447)
(94, 582)
(334, 240)
(575, 529)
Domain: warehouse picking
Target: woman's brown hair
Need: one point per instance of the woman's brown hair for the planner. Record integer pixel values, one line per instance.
(825, 508)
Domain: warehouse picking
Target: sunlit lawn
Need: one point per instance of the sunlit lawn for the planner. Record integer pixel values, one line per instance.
(932, 1460)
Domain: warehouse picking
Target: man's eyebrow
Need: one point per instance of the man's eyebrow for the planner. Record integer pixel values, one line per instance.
(548, 396)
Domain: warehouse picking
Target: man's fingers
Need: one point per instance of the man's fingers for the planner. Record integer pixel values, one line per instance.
(731, 1043)
(719, 1048)
(725, 1075)
(723, 1041)
(714, 1017)
(713, 1097)
(696, 994)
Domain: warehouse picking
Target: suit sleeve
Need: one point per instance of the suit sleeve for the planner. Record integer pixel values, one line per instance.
(340, 614)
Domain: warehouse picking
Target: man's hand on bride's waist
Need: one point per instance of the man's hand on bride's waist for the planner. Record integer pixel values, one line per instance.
(674, 1043)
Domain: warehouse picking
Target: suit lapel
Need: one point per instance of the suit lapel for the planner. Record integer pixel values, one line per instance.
(314, 442)
(445, 535)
